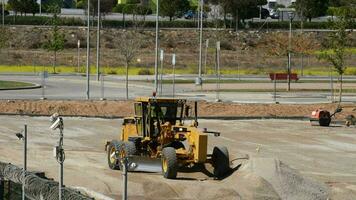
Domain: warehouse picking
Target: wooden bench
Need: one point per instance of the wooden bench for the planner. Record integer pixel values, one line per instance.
(283, 76)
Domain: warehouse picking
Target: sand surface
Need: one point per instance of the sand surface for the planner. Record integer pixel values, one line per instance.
(287, 160)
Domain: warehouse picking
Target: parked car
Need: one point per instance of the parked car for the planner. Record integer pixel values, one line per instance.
(191, 14)
(274, 14)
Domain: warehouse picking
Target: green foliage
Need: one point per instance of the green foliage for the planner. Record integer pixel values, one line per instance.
(42, 20)
(118, 8)
(52, 6)
(55, 43)
(144, 72)
(173, 8)
(311, 8)
(337, 43)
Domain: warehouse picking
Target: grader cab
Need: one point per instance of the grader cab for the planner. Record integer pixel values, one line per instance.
(156, 139)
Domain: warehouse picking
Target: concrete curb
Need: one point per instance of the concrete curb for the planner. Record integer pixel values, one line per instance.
(36, 86)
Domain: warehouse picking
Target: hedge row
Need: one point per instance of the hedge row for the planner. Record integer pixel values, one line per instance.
(40, 20)
(295, 25)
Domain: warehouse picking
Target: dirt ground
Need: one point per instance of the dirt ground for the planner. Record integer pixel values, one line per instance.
(324, 156)
(125, 108)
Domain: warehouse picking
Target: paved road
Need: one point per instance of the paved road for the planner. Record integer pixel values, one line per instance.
(74, 87)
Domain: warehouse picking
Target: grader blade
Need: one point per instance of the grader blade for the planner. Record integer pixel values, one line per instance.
(145, 164)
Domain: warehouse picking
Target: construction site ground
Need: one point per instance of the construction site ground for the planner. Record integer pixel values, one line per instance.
(325, 154)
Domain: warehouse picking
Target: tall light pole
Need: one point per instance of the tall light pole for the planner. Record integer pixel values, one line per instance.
(88, 51)
(78, 56)
(291, 16)
(156, 49)
(98, 44)
(161, 74)
(199, 79)
(174, 73)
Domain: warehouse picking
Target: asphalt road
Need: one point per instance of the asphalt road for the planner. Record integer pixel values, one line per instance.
(61, 87)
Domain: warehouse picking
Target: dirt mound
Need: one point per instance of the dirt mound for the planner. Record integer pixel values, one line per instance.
(125, 108)
(288, 183)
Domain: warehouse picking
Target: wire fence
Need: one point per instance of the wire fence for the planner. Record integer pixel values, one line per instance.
(232, 62)
(36, 188)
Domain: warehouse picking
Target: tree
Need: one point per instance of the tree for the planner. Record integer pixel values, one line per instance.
(173, 8)
(57, 39)
(311, 8)
(240, 9)
(130, 44)
(337, 42)
(24, 6)
(106, 6)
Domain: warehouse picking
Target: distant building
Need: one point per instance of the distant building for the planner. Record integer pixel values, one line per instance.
(271, 4)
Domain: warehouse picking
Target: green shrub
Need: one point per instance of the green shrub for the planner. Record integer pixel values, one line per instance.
(118, 8)
(144, 72)
(111, 71)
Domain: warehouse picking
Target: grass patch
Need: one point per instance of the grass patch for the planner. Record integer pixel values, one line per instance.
(120, 70)
(329, 51)
(280, 90)
(13, 84)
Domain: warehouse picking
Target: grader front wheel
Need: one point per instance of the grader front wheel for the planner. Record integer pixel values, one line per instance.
(221, 162)
(169, 163)
(113, 161)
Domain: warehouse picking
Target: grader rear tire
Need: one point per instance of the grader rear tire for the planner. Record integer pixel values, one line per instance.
(113, 147)
(169, 163)
(221, 162)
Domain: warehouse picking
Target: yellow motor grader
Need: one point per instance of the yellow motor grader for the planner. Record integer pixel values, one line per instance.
(156, 139)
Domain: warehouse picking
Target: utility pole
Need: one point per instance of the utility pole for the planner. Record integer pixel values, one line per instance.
(98, 44)
(291, 16)
(88, 52)
(40, 7)
(156, 49)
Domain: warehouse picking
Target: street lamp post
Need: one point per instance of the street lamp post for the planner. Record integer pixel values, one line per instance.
(88, 52)
(291, 16)
(156, 49)
(98, 44)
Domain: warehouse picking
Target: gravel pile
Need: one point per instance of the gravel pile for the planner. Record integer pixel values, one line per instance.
(288, 183)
